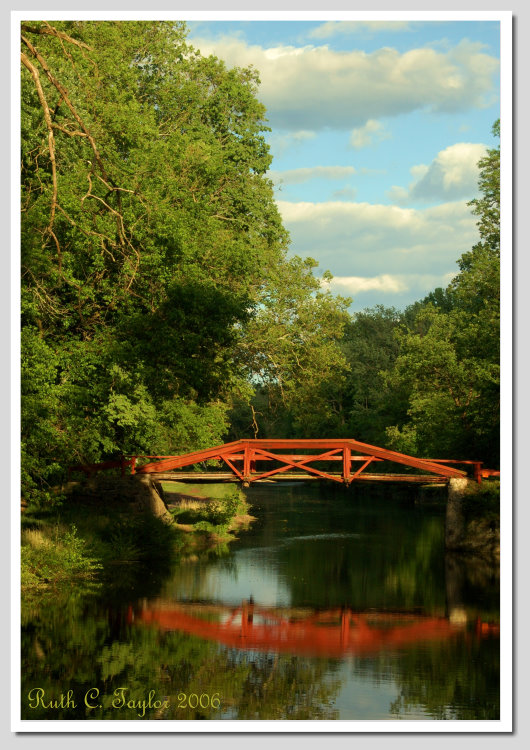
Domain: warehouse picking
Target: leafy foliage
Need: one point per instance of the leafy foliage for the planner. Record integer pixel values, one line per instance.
(368, 403)
(291, 354)
(450, 348)
(151, 247)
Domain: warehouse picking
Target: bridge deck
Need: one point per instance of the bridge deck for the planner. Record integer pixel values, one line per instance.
(227, 476)
(260, 459)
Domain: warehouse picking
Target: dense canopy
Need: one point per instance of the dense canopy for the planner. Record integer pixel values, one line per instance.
(150, 240)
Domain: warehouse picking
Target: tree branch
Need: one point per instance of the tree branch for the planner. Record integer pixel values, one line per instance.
(51, 145)
(51, 31)
(60, 88)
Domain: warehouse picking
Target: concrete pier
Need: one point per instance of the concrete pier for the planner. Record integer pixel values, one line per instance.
(454, 514)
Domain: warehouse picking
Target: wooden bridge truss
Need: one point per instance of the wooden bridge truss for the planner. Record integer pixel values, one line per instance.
(270, 460)
(249, 461)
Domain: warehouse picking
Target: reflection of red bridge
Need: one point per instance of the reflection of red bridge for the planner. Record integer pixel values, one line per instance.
(328, 634)
(272, 460)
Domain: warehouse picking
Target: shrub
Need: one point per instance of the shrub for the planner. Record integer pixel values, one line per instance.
(216, 511)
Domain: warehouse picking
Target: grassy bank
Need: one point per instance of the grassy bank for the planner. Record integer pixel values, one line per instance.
(90, 541)
(208, 515)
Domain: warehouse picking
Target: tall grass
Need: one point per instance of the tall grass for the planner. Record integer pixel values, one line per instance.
(54, 555)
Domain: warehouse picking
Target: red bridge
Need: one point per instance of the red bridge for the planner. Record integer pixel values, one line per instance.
(265, 460)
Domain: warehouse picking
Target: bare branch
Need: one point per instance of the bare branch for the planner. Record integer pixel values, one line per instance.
(114, 187)
(60, 88)
(254, 421)
(123, 237)
(51, 144)
(71, 133)
(51, 31)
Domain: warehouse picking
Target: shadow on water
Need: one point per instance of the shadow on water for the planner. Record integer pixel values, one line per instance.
(333, 606)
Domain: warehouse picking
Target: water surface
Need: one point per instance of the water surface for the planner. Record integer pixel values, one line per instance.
(334, 606)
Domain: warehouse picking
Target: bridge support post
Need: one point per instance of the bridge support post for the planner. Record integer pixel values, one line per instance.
(246, 466)
(346, 464)
(454, 514)
(150, 498)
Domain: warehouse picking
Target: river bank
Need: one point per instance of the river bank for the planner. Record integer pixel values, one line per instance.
(105, 523)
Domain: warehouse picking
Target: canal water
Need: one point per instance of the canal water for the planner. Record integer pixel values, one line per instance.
(334, 605)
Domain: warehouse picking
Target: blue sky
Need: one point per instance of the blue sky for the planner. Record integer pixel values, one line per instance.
(377, 128)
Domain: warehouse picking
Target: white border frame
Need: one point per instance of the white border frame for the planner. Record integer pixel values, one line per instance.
(282, 726)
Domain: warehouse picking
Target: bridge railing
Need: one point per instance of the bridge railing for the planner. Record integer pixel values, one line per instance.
(120, 463)
(310, 457)
(89, 469)
(247, 460)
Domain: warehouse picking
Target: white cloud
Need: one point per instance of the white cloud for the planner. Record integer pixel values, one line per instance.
(356, 284)
(452, 175)
(313, 87)
(371, 131)
(419, 170)
(332, 28)
(363, 240)
(387, 284)
(304, 174)
(389, 290)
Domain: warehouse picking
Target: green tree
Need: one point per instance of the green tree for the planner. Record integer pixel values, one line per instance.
(147, 231)
(291, 352)
(151, 246)
(370, 347)
(450, 350)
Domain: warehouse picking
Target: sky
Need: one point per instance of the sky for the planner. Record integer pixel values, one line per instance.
(376, 131)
